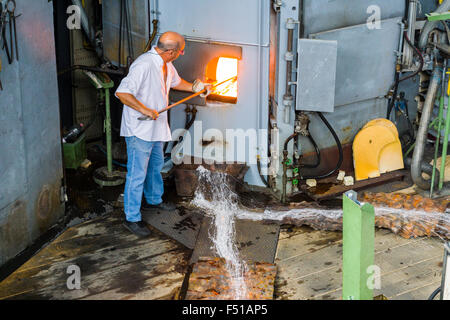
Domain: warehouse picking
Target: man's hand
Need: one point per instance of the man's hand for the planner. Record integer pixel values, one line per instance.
(150, 113)
(208, 88)
(197, 86)
(129, 100)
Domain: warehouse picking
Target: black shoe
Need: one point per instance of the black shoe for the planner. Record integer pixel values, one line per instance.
(138, 228)
(162, 206)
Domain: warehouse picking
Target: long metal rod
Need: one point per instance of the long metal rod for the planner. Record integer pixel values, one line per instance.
(186, 99)
(108, 131)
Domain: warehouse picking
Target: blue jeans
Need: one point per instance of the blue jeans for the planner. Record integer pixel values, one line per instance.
(145, 161)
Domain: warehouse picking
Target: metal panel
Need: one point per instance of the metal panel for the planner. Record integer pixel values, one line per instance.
(316, 75)
(12, 150)
(233, 21)
(366, 60)
(323, 15)
(31, 144)
(345, 120)
(138, 12)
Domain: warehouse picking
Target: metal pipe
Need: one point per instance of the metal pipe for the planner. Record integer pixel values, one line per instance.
(108, 132)
(424, 166)
(285, 165)
(430, 25)
(412, 15)
(416, 172)
(288, 98)
(87, 28)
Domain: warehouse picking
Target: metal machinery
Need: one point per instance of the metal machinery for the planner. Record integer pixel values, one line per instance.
(310, 75)
(295, 59)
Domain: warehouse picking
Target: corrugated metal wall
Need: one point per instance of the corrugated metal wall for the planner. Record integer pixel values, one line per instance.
(30, 150)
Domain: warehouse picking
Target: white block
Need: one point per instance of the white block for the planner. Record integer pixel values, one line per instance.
(348, 181)
(341, 175)
(311, 183)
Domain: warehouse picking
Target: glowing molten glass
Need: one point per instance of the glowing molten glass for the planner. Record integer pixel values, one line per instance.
(226, 69)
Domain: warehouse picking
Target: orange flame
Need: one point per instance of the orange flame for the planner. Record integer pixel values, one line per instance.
(226, 69)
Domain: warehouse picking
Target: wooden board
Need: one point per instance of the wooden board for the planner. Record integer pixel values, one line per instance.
(310, 265)
(114, 264)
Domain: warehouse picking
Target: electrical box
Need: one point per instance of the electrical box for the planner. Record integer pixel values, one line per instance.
(316, 75)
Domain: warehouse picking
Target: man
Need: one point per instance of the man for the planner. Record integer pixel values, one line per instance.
(144, 91)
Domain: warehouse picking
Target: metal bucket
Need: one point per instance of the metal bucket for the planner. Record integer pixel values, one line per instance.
(186, 175)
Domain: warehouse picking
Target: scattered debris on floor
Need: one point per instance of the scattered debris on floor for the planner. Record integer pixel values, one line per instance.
(405, 201)
(210, 280)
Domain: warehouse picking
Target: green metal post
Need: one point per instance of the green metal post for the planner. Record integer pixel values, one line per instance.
(108, 131)
(436, 148)
(444, 149)
(358, 248)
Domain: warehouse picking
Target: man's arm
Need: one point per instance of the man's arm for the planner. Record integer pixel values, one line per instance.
(131, 101)
(187, 86)
(184, 86)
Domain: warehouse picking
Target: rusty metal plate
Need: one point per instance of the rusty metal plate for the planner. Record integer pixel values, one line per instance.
(330, 188)
(256, 241)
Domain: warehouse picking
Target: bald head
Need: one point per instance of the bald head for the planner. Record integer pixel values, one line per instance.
(170, 41)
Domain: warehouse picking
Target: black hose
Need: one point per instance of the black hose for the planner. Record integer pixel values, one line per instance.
(394, 95)
(341, 152)
(420, 56)
(397, 79)
(292, 136)
(187, 126)
(263, 179)
(318, 159)
(434, 294)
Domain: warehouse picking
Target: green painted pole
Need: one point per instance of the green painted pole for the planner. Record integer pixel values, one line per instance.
(108, 131)
(358, 248)
(436, 148)
(444, 149)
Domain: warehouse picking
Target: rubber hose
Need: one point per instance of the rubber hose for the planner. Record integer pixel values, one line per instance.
(434, 294)
(341, 152)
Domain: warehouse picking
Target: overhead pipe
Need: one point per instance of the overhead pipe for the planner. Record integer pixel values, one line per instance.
(88, 29)
(416, 165)
(412, 16)
(430, 25)
(288, 98)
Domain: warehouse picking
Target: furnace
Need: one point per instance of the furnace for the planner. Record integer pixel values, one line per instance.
(212, 63)
(220, 69)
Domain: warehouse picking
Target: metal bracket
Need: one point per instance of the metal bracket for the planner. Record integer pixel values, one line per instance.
(290, 23)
